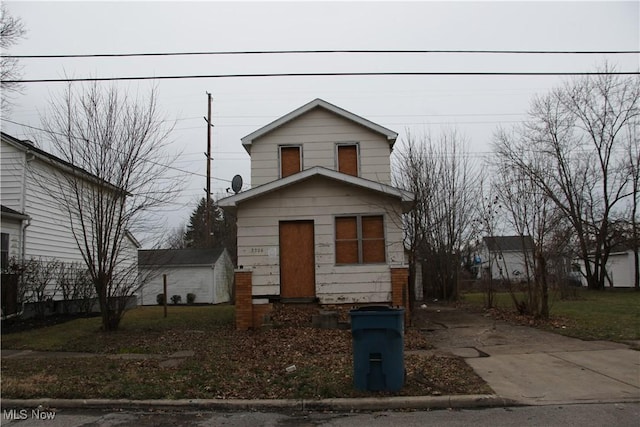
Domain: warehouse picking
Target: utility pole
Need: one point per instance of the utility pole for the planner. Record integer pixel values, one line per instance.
(207, 204)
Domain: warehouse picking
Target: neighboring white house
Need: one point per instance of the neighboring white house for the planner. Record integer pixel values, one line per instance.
(206, 273)
(507, 257)
(620, 268)
(34, 224)
(321, 221)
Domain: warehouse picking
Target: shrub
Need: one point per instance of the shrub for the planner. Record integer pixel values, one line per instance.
(160, 299)
(176, 299)
(191, 298)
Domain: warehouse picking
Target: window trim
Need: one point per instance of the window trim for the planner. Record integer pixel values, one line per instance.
(5, 238)
(347, 144)
(359, 238)
(280, 147)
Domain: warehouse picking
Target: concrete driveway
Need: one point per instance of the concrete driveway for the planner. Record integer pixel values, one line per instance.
(531, 366)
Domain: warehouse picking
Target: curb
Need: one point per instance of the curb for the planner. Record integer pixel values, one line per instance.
(337, 404)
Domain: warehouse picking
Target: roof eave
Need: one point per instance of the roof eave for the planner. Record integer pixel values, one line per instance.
(407, 198)
(248, 140)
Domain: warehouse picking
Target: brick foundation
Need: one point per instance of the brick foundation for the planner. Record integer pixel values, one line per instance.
(260, 311)
(400, 291)
(244, 303)
(249, 315)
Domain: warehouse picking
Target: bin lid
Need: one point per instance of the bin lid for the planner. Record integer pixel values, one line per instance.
(374, 308)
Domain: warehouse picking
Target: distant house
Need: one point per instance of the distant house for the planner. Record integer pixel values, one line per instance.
(34, 225)
(507, 257)
(620, 268)
(206, 273)
(322, 222)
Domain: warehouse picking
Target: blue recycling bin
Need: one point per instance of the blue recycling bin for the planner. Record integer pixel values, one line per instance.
(378, 348)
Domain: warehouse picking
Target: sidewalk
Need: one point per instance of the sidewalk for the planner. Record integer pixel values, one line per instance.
(534, 367)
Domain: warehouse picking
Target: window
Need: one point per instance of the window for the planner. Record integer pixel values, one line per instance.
(348, 159)
(360, 239)
(4, 250)
(290, 160)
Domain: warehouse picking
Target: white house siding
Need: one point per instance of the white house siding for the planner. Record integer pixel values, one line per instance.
(505, 263)
(35, 191)
(49, 235)
(181, 280)
(210, 283)
(12, 176)
(319, 199)
(318, 131)
(621, 270)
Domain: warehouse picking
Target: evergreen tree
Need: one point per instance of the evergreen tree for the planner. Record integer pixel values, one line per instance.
(223, 229)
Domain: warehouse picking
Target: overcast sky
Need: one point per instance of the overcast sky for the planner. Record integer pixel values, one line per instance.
(473, 105)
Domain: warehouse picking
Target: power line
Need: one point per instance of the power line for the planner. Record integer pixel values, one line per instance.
(340, 51)
(187, 172)
(330, 74)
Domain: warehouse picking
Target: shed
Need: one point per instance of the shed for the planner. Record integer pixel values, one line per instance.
(206, 273)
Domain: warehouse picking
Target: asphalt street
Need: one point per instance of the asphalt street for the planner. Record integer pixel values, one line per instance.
(581, 415)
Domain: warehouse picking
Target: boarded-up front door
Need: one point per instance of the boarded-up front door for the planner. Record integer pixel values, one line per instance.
(297, 260)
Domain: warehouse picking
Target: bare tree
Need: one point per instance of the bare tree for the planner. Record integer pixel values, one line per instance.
(117, 145)
(176, 238)
(572, 149)
(633, 164)
(11, 31)
(38, 275)
(531, 214)
(440, 174)
(74, 283)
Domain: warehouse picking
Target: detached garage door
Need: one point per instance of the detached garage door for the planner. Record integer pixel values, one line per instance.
(297, 260)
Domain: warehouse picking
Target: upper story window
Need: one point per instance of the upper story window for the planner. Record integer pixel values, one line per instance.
(290, 160)
(347, 158)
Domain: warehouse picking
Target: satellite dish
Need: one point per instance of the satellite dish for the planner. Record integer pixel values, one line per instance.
(236, 184)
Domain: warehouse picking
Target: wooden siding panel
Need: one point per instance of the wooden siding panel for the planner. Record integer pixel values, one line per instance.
(180, 281)
(11, 176)
(318, 131)
(309, 201)
(32, 188)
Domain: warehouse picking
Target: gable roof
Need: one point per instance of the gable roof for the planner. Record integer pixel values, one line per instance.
(318, 103)
(508, 243)
(406, 197)
(166, 257)
(30, 147)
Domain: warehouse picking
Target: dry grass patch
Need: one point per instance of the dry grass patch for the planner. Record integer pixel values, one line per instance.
(225, 363)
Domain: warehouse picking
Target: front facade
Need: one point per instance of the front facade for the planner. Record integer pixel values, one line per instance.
(321, 222)
(34, 224)
(205, 273)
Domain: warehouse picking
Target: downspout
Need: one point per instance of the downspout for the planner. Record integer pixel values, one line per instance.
(25, 223)
(28, 158)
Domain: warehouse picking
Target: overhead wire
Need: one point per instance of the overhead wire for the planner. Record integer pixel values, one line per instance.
(187, 172)
(326, 74)
(330, 51)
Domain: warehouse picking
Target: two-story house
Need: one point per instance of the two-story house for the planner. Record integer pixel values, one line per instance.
(322, 222)
(34, 224)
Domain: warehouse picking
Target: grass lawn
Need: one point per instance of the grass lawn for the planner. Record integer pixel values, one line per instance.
(225, 363)
(612, 314)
